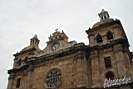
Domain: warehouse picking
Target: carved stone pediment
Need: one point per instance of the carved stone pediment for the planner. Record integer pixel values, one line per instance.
(57, 41)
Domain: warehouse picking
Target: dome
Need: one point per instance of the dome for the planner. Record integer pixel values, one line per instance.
(102, 22)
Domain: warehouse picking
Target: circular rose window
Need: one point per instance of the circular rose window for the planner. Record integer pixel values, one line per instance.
(53, 79)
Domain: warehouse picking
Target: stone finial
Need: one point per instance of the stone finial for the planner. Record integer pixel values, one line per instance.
(103, 15)
(56, 30)
(35, 36)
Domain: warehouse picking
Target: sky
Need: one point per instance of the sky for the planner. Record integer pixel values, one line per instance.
(21, 19)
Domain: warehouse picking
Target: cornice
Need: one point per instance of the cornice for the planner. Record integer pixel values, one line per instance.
(110, 44)
(36, 60)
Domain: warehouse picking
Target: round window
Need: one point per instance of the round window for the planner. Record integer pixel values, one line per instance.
(53, 79)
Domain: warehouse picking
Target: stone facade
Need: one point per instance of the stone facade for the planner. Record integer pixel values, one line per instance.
(71, 65)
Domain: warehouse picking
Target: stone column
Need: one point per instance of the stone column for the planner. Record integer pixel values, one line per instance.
(30, 70)
(82, 70)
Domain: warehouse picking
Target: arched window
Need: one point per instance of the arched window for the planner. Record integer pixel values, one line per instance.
(109, 35)
(99, 39)
(109, 75)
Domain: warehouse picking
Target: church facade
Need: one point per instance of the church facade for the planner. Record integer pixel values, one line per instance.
(105, 63)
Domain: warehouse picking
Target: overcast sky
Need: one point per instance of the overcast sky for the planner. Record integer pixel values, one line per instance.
(21, 19)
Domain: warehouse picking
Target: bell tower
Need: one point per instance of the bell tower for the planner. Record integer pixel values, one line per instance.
(109, 50)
